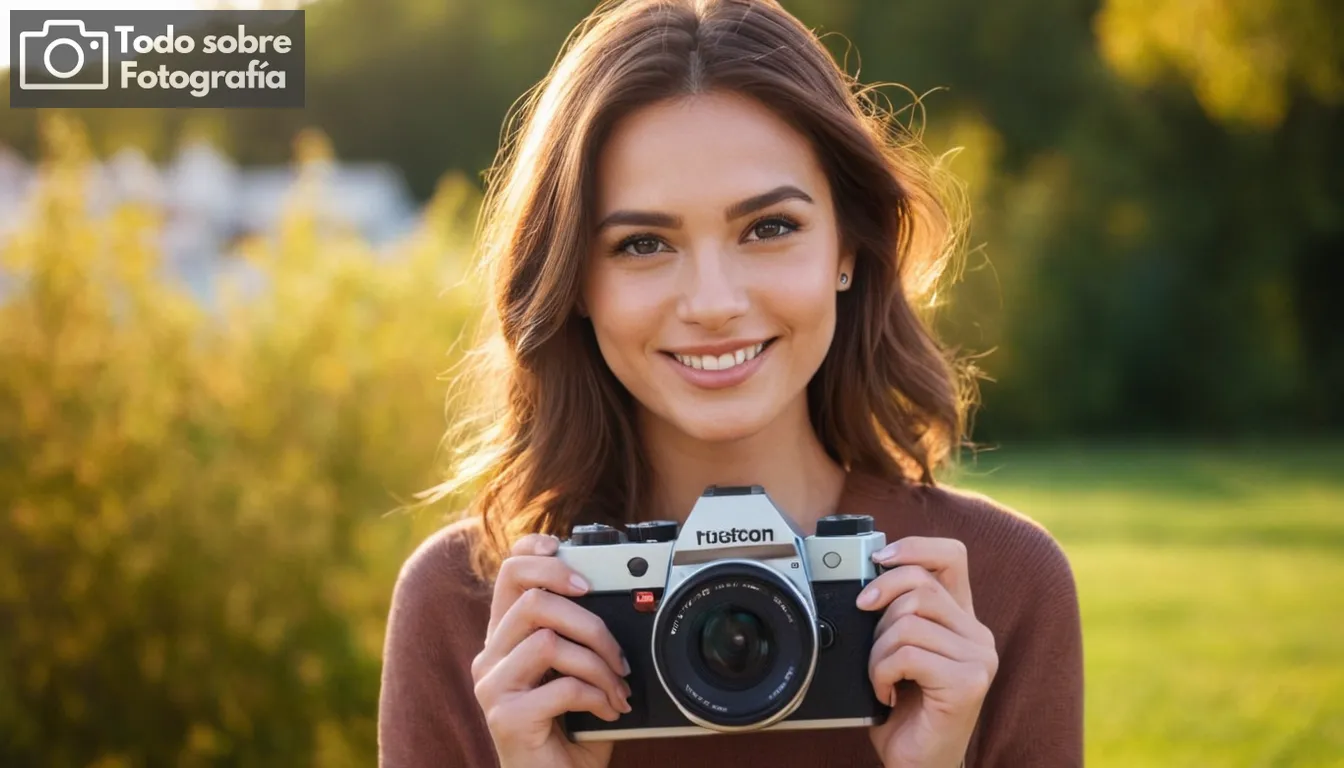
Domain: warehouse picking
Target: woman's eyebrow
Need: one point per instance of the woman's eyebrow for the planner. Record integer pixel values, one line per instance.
(734, 211)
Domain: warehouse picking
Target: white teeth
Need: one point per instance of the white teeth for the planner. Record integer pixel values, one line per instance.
(720, 362)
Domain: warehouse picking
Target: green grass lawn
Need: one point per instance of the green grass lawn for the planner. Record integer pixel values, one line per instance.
(1212, 591)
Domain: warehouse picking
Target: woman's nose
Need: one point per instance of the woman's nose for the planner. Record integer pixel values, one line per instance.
(712, 294)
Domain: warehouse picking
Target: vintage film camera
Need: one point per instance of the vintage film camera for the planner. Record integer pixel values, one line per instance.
(734, 622)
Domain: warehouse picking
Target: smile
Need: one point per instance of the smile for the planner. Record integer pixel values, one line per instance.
(720, 362)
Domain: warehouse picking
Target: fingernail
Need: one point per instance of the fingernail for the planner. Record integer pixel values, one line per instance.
(867, 597)
(549, 545)
(891, 698)
(887, 552)
(625, 667)
(578, 582)
(625, 688)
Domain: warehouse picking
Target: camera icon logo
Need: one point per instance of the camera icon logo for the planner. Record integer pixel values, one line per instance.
(38, 71)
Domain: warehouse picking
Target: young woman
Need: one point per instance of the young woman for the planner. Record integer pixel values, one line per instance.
(708, 253)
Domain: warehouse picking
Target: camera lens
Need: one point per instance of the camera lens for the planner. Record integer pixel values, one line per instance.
(736, 646)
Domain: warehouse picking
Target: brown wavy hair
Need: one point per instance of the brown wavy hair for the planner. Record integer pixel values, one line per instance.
(554, 438)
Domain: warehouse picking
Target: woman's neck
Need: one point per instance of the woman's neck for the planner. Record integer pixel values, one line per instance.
(786, 458)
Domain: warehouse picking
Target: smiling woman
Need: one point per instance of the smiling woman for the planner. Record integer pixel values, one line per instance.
(708, 251)
(711, 285)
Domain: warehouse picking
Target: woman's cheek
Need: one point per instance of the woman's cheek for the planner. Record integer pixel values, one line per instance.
(626, 322)
(801, 293)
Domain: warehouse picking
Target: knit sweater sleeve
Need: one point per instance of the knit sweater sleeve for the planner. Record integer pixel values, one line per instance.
(427, 711)
(1033, 714)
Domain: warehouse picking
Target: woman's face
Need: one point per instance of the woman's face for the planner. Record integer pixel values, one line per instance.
(713, 274)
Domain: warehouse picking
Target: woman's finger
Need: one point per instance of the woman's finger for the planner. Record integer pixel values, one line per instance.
(535, 544)
(534, 711)
(931, 599)
(507, 586)
(938, 677)
(942, 557)
(543, 651)
(922, 633)
(928, 599)
(537, 608)
(521, 573)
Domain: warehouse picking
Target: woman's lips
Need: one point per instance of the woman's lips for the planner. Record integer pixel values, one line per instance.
(721, 379)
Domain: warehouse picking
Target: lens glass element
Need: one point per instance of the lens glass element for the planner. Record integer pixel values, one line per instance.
(736, 646)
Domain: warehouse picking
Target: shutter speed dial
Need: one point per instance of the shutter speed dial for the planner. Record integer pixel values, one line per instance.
(652, 531)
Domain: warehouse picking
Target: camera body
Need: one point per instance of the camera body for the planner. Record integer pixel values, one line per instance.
(733, 622)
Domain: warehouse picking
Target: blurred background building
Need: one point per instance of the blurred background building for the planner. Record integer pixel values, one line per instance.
(209, 203)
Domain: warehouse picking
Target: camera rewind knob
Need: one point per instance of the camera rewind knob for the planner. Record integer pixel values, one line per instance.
(844, 525)
(594, 534)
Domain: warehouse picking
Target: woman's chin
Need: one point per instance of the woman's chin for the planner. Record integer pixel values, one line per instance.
(707, 429)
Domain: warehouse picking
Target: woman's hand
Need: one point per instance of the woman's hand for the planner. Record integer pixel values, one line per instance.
(928, 634)
(535, 629)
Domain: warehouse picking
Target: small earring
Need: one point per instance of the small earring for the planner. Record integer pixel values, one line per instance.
(844, 279)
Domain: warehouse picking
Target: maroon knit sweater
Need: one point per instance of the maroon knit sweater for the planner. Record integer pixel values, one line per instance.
(1021, 581)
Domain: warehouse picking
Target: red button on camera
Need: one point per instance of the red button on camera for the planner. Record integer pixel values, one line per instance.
(645, 602)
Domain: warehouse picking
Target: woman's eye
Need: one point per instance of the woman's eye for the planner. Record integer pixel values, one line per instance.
(647, 245)
(767, 229)
(640, 246)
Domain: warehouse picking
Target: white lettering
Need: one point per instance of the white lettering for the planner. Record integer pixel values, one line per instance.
(125, 35)
(168, 42)
(127, 72)
(199, 83)
(245, 43)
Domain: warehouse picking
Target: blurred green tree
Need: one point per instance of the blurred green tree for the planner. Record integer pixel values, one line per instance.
(194, 564)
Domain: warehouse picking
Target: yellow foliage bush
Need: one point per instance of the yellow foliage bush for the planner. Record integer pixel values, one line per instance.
(195, 552)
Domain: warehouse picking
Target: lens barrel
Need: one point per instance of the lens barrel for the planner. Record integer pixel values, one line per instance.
(735, 646)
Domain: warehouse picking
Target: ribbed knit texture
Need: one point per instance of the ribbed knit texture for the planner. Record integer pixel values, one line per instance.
(1022, 586)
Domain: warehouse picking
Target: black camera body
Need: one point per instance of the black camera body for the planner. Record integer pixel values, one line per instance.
(733, 622)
